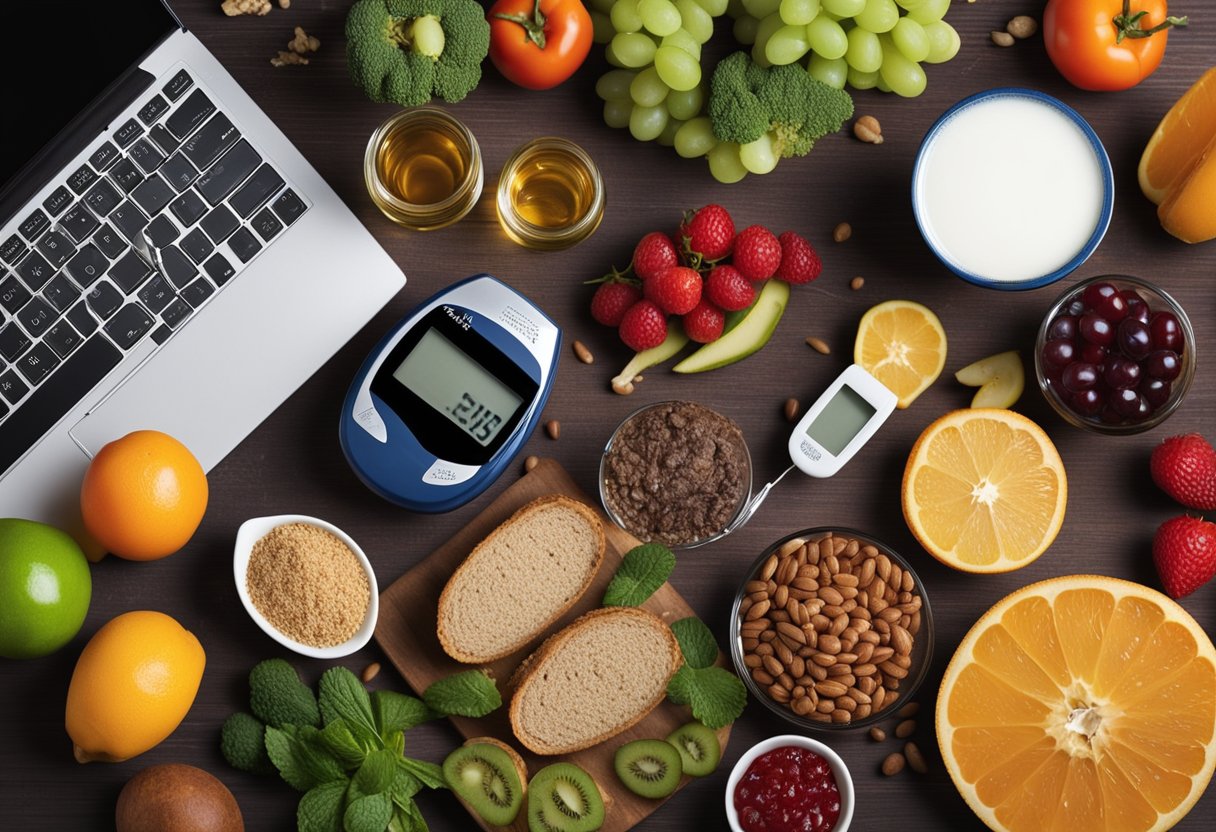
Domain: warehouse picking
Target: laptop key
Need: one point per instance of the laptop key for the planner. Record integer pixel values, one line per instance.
(175, 313)
(34, 271)
(80, 317)
(63, 338)
(109, 242)
(59, 199)
(153, 195)
(13, 341)
(60, 292)
(212, 139)
(156, 294)
(128, 132)
(266, 224)
(154, 109)
(220, 223)
(177, 85)
(189, 114)
(147, 155)
(231, 170)
(88, 265)
(129, 272)
(79, 222)
(33, 225)
(264, 183)
(288, 206)
(197, 292)
(56, 247)
(178, 172)
(244, 245)
(125, 175)
(177, 267)
(129, 220)
(219, 269)
(104, 300)
(36, 317)
(12, 249)
(188, 208)
(104, 156)
(130, 324)
(196, 245)
(161, 334)
(102, 198)
(161, 231)
(81, 179)
(165, 140)
(48, 404)
(12, 388)
(37, 363)
(13, 295)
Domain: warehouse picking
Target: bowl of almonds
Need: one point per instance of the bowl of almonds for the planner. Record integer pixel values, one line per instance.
(831, 629)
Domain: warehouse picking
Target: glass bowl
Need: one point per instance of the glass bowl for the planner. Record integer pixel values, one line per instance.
(819, 655)
(1105, 420)
(844, 781)
(673, 456)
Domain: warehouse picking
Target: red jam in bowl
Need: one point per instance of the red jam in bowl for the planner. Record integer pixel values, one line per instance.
(789, 789)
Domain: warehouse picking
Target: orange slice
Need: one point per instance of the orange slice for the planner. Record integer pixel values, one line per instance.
(1182, 135)
(1189, 209)
(1082, 703)
(984, 490)
(903, 345)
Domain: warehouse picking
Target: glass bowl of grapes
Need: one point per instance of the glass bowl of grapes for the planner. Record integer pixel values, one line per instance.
(1115, 355)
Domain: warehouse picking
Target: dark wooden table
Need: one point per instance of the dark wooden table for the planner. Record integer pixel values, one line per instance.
(292, 463)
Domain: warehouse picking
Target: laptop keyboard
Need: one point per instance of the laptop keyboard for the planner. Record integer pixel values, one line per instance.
(127, 248)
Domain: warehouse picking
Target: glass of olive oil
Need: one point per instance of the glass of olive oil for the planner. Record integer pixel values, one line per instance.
(423, 169)
(550, 194)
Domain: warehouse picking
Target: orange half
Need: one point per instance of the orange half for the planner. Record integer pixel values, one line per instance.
(902, 344)
(1183, 134)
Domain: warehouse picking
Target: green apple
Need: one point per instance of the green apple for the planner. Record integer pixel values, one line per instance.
(45, 588)
(1000, 378)
(750, 334)
(675, 341)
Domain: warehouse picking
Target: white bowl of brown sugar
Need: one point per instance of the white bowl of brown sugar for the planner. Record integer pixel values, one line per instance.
(307, 584)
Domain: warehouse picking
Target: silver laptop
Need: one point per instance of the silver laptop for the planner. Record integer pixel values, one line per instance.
(168, 259)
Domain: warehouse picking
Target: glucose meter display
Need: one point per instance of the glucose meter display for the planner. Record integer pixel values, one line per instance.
(840, 420)
(471, 397)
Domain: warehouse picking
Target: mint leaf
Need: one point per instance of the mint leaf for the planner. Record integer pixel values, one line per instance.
(471, 693)
(717, 696)
(679, 686)
(394, 741)
(696, 642)
(369, 813)
(405, 786)
(644, 569)
(341, 743)
(342, 696)
(410, 818)
(301, 757)
(320, 809)
(377, 772)
(429, 774)
(394, 711)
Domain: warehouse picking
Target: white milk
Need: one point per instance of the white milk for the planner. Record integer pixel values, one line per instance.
(1010, 189)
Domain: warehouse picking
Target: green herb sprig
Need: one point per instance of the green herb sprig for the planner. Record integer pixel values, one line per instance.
(717, 696)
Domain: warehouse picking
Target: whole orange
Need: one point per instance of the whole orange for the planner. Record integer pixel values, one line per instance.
(143, 495)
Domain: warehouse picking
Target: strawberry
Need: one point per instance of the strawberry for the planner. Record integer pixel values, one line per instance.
(612, 300)
(728, 289)
(676, 290)
(704, 322)
(708, 233)
(799, 262)
(757, 253)
(655, 253)
(1185, 468)
(644, 326)
(1184, 550)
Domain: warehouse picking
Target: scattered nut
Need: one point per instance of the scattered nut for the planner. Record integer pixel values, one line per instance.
(530, 463)
(584, 354)
(284, 4)
(842, 232)
(818, 345)
(233, 8)
(857, 282)
(289, 59)
(303, 42)
(790, 409)
(370, 672)
(877, 734)
(868, 130)
(622, 388)
(910, 710)
(1002, 38)
(916, 760)
(893, 764)
(553, 428)
(1022, 26)
(905, 729)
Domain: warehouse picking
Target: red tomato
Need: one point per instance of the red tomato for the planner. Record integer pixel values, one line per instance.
(539, 43)
(1106, 44)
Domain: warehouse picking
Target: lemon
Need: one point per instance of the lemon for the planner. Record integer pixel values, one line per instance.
(902, 344)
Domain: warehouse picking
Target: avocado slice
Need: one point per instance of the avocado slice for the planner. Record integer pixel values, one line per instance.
(749, 335)
(676, 340)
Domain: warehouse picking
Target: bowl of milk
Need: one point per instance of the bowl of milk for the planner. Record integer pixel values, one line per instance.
(1012, 189)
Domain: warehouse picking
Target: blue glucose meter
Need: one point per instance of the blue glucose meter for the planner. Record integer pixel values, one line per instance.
(449, 396)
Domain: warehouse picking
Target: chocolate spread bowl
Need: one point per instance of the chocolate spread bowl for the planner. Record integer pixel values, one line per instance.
(676, 473)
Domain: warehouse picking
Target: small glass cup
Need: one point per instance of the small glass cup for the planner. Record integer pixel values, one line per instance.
(550, 195)
(423, 169)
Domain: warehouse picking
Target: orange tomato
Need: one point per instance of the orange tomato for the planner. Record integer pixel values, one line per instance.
(537, 44)
(1107, 44)
(143, 495)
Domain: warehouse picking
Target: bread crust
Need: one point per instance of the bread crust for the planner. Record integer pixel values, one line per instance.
(447, 596)
(525, 676)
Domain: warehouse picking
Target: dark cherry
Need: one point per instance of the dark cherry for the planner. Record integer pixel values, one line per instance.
(1121, 373)
(1136, 307)
(1166, 332)
(1096, 329)
(1079, 376)
(1074, 307)
(1163, 364)
(1134, 339)
(1064, 326)
(1087, 402)
(1106, 300)
(1128, 403)
(1059, 353)
(1155, 391)
(1110, 416)
(1093, 354)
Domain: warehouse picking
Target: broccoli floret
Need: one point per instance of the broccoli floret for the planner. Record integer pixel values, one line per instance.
(746, 101)
(278, 697)
(243, 744)
(407, 51)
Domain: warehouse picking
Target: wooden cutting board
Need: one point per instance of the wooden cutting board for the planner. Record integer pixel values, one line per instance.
(406, 631)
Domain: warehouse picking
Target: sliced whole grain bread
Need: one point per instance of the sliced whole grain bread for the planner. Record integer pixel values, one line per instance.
(592, 680)
(520, 579)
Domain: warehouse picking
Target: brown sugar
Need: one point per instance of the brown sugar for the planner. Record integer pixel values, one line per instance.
(308, 584)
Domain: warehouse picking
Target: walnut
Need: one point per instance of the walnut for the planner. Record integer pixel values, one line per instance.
(289, 59)
(232, 8)
(303, 43)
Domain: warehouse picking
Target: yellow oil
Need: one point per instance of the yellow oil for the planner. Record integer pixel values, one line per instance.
(421, 164)
(551, 189)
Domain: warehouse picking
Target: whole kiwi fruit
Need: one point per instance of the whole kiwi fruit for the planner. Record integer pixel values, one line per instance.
(176, 798)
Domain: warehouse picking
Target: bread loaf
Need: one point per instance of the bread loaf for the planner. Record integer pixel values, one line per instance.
(517, 581)
(592, 680)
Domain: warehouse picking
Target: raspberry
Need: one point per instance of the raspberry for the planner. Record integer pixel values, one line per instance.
(612, 300)
(728, 289)
(675, 291)
(644, 326)
(799, 262)
(655, 253)
(710, 233)
(757, 253)
(704, 323)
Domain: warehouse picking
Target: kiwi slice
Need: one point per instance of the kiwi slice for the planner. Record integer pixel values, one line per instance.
(487, 778)
(563, 798)
(649, 768)
(698, 747)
